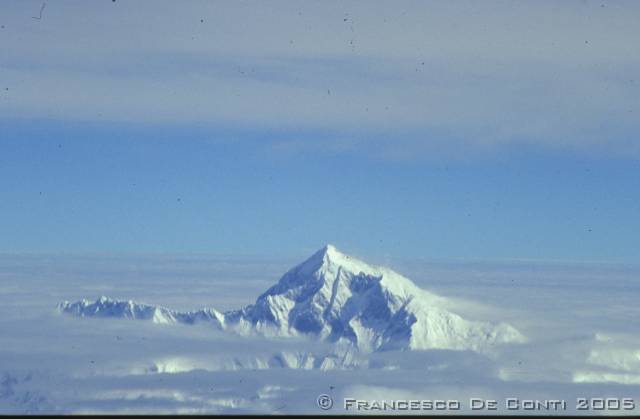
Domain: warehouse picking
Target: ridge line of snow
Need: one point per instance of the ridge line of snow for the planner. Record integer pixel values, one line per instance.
(332, 296)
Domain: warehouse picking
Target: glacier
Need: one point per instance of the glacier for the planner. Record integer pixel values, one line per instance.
(335, 298)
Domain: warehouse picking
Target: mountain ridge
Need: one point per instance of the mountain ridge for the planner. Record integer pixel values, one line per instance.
(336, 298)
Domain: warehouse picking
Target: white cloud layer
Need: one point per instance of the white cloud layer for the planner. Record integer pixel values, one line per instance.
(582, 321)
(479, 75)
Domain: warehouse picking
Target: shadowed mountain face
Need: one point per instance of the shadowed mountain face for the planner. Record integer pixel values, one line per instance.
(333, 297)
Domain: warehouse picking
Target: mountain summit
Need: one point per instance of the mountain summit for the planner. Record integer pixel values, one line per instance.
(337, 298)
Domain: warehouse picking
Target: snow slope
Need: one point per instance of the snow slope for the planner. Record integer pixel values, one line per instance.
(336, 298)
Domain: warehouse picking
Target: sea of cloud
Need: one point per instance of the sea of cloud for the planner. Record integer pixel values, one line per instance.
(581, 321)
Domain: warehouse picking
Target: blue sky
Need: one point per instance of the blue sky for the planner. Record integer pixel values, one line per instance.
(446, 130)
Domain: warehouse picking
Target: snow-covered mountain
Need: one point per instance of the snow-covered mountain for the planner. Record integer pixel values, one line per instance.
(333, 297)
(107, 307)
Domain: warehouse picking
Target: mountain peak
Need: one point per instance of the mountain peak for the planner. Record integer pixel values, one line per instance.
(328, 251)
(336, 298)
(328, 262)
(328, 254)
(340, 298)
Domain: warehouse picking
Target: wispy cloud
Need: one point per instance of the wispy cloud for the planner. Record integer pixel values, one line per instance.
(434, 75)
